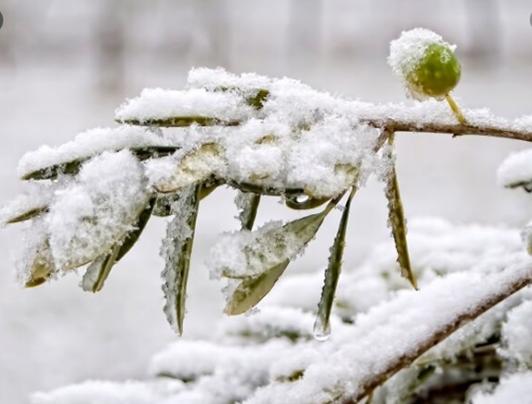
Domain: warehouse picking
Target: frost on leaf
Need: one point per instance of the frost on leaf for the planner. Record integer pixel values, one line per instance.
(176, 251)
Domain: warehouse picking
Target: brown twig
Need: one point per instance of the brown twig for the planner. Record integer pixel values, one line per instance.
(395, 125)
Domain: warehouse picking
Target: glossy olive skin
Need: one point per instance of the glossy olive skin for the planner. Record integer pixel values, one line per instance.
(437, 73)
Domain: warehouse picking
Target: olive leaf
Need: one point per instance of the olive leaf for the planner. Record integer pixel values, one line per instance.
(28, 214)
(177, 250)
(248, 204)
(397, 220)
(332, 273)
(196, 166)
(41, 266)
(98, 271)
(132, 236)
(251, 291)
(73, 167)
(179, 122)
(284, 243)
(526, 185)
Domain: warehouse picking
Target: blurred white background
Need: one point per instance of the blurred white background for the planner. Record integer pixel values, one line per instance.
(65, 66)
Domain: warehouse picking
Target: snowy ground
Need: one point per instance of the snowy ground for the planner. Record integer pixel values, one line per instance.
(58, 334)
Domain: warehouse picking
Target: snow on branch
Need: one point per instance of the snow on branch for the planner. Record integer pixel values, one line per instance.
(414, 321)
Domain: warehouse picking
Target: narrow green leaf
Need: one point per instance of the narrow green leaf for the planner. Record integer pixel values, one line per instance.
(397, 221)
(98, 271)
(132, 236)
(73, 167)
(283, 243)
(177, 251)
(332, 273)
(248, 204)
(27, 215)
(251, 291)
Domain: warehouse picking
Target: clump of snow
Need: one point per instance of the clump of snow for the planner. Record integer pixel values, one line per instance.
(88, 144)
(515, 388)
(517, 334)
(212, 79)
(157, 103)
(97, 209)
(269, 322)
(407, 51)
(516, 170)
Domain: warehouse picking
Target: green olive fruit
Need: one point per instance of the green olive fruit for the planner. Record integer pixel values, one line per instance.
(436, 73)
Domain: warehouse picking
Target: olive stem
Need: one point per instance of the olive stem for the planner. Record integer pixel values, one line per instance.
(455, 108)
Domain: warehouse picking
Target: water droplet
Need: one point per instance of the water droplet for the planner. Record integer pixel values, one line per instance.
(322, 331)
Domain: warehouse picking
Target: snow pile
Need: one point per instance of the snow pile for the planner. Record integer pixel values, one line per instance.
(97, 392)
(517, 334)
(425, 313)
(95, 212)
(156, 103)
(270, 356)
(516, 388)
(516, 170)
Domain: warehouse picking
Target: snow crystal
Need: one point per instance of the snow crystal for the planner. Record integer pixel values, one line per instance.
(516, 388)
(157, 103)
(516, 170)
(88, 144)
(97, 210)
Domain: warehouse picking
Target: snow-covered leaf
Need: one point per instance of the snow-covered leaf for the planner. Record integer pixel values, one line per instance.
(177, 249)
(173, 108)
(251, 290)
(516, 171)
(263, 257)
(99, 269)
(90, 215)
(195, 167)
